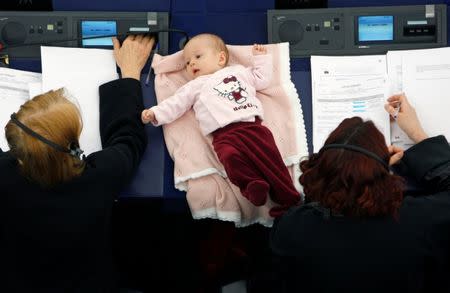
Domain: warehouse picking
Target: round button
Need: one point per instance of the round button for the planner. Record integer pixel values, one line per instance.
(291, 31)
(14, 33)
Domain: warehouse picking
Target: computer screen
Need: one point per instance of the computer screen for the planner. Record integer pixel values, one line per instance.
(98, 28)
(375, 28)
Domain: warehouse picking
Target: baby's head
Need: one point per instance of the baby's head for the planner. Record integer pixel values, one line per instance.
(205, 54)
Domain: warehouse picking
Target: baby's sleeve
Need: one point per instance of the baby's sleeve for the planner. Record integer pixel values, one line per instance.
(261, 71)
(174, 106)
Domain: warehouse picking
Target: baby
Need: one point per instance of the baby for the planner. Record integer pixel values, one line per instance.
(225, 105)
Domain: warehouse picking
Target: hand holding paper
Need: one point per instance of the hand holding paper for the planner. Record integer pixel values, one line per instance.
(347, 86)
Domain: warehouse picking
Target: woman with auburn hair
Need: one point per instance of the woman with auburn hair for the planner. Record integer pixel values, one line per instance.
(360, 231)
(56, 204)
(349, 182)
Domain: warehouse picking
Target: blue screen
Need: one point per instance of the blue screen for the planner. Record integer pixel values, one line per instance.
(375, 28)
(90, 28)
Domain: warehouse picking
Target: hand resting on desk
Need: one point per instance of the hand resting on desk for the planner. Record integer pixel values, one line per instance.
(134, 46)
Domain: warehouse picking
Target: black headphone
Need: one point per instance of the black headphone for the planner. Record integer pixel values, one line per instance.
(356, 149)
(73, 149)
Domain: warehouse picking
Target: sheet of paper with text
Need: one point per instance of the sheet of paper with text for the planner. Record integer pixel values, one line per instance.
(426, 83)
(344, 87)
(14, 91)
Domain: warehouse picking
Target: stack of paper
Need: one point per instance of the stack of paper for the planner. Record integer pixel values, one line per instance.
(344, 87)
(79, 71)
(424, 76)
(14, 91)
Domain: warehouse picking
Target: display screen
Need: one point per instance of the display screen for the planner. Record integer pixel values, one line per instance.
(375, 28)
(93, 28)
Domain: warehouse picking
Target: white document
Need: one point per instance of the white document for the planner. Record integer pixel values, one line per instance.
(81, 71)
(423, 75)
(14, 91)
(344, 87)
(395, 71)
(426, 83)
(395, 84)
(34, 89)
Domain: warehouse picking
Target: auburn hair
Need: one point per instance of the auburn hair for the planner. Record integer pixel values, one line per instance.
(351, 183)
(57, 119)
(217, 42)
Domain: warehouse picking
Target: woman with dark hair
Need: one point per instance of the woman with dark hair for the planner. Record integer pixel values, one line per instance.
(56, 206)
(359, 231)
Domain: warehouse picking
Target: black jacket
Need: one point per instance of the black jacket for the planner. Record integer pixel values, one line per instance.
(321, 252)
(58, 240)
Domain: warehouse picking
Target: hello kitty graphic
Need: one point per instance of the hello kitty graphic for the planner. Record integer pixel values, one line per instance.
(231, 88)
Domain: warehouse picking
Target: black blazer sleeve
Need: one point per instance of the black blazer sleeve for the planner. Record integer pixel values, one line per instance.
(122, 133)
(429, 162)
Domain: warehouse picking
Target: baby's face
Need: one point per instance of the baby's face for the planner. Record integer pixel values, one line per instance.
(202, 58)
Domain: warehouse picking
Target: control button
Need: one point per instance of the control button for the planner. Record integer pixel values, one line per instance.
(324, 42)
(317, 28)
(50, 27)
(308, 28)
(327, 23)
(425, 30)
(336, 27)
(31, 31)
(40, 30)
(336, 19)
(59, 30)
(59, 23)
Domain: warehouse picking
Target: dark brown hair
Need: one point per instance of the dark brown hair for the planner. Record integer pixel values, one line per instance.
(57, 119)
(352, 183)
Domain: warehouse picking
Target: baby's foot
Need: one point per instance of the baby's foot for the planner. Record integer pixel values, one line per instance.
(257, 192)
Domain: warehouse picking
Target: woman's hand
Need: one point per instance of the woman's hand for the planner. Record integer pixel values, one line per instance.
(401, 110)
(396, 154)
(133, 54)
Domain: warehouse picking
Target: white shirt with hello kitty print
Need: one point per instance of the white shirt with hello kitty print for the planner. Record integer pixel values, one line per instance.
(226, 96)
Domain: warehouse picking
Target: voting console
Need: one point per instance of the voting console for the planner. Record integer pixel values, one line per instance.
(361, 30)
(23, 32)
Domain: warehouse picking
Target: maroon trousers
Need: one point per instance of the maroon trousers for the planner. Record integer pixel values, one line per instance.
(252, 161)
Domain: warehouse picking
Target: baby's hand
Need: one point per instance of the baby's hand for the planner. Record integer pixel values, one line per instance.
(147, 116)
(259, 49)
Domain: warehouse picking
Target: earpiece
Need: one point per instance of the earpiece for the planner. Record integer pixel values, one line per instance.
(183, 41)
